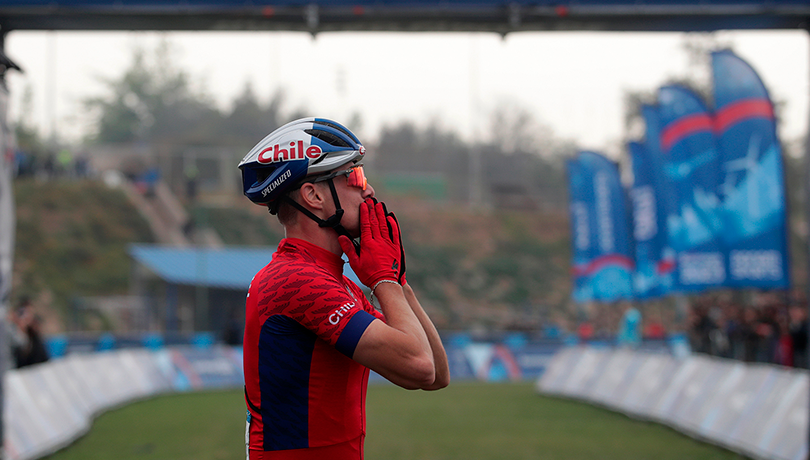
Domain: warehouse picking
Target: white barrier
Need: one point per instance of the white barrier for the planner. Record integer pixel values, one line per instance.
(47, 406)
(755, 409)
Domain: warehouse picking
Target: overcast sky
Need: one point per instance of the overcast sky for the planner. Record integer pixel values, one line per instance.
(570, 81)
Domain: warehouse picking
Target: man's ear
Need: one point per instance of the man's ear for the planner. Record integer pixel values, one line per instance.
(311, 196)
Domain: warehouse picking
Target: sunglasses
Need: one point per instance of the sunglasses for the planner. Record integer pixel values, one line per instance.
(355, 175)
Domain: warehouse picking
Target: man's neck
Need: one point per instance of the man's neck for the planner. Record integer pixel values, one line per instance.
(325, 238)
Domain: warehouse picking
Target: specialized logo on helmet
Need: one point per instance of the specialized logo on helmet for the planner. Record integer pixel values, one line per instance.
(279, 180)
(275, 153)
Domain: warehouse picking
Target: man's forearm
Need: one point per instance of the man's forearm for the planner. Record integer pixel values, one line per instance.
(436, 346)
(400, 315)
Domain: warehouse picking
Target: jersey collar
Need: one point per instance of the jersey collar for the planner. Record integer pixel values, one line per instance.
(326, 259)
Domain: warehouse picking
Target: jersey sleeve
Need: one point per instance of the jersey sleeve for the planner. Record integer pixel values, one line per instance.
(327, 307)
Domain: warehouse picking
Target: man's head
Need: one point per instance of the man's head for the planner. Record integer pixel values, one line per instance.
(299, 164)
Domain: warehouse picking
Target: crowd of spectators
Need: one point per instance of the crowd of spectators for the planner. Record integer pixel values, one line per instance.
(61, 164)
(770, 328)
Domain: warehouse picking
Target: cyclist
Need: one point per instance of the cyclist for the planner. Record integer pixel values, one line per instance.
(311, 335)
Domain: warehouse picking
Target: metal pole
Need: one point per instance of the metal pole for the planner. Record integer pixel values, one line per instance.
(475, 182)
(807, 227)
(7, 229)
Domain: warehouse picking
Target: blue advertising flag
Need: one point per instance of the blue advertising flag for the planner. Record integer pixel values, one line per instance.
(602, 260)
(668, 267)
(690, 165)
(654, 274)
(752, 183)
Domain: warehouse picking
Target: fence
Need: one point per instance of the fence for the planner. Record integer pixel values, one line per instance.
(50, 405)
(758, 410)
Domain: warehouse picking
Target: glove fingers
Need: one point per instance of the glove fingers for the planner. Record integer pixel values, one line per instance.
(371, 212)
(365, 222)
(382, 222)
(390, 228)
(393, 229)
(398, 241)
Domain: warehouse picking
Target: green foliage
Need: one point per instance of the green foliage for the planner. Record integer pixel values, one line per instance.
(468, 265)
(71, 239)
(469, 421)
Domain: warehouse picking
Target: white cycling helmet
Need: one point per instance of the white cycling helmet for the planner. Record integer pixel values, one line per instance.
(289, 155)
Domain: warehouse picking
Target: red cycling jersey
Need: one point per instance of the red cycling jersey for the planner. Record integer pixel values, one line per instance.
(306, 396)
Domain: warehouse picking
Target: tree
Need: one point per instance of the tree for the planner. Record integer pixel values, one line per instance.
(249, 120)
(152, 101)
(514, 129)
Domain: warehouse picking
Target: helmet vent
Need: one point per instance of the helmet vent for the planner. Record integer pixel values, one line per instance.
(337, 127)
(263, 173)
(327, 137)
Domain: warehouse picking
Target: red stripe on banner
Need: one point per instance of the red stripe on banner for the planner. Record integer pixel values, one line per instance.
(742, 110)
(601, 262)
(185, 367)
(666, 266)
(684, 127)
(508, 359)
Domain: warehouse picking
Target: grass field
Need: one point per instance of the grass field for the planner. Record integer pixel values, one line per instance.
(466, 421)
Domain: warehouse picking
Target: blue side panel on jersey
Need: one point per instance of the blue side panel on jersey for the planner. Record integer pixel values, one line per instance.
(285, 354)
(351, 334)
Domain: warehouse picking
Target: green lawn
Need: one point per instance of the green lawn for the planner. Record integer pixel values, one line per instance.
(466, 421)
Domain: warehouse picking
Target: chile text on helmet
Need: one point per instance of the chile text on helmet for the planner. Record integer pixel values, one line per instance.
(276, 153)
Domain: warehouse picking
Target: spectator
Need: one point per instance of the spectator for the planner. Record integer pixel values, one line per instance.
(630, 327)
(768, 332)
(700, 328)
(64, 161)
(48, 168)
(798, 334)
(82, 165)
(734, 331)
(33, 350)
(18, 340)
(783, 349)
(655, 330)
(748, 334)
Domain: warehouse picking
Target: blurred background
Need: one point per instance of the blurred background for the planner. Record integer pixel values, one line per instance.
(138, 142)
(132, 232)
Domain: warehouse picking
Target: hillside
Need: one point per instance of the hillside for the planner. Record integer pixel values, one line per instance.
(71, 241)
(496, 269)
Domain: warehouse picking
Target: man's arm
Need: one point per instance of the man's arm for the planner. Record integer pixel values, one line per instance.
(398, 349)
(441, 367)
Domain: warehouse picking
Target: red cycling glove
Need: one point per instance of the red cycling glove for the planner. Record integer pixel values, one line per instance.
(396, 234)
(380, 249)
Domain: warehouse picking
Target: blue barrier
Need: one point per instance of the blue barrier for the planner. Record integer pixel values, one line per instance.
(106, 342)
(57, 346)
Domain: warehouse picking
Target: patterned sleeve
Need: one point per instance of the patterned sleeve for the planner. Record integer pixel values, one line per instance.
(325, 306)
